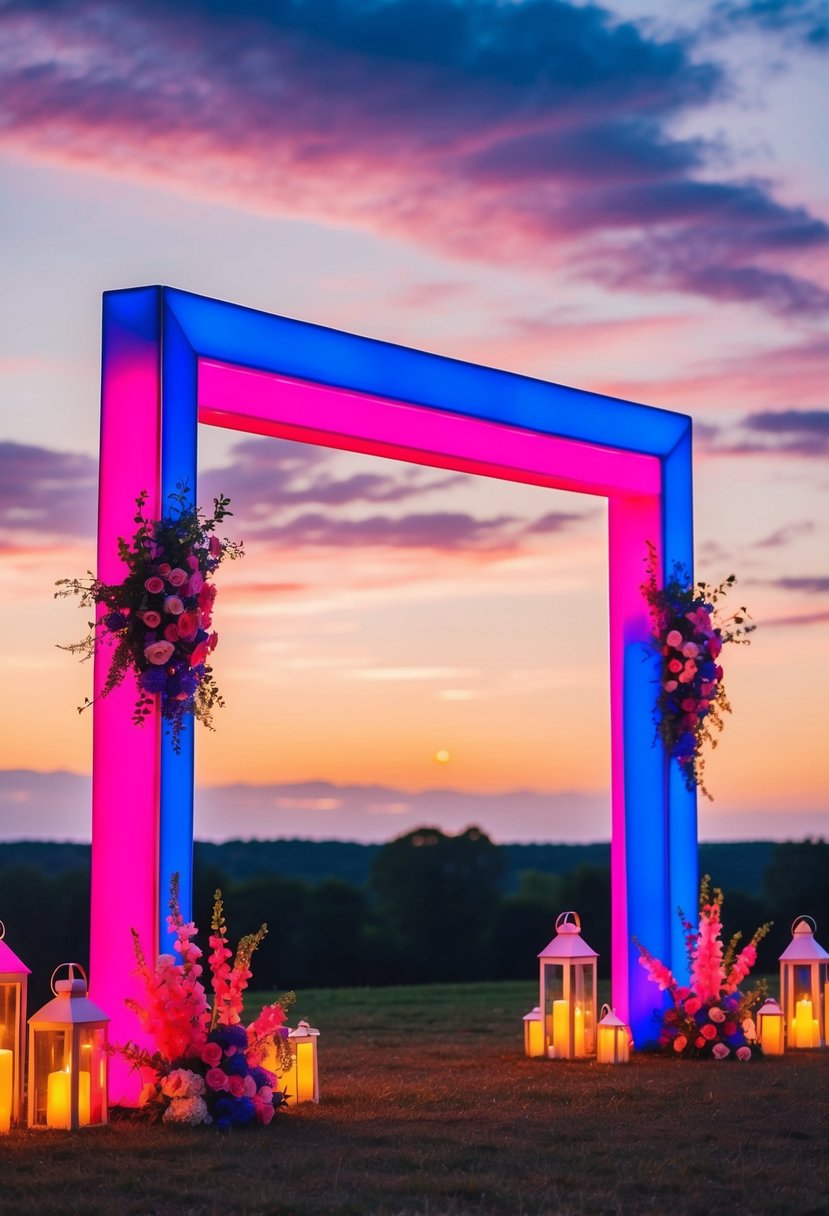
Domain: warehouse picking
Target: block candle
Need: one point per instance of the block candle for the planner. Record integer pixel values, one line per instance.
(803, 1024)
(59, 1101)
(305, 1072)
(579, 1036)
(6, 1090)
(561, 1030)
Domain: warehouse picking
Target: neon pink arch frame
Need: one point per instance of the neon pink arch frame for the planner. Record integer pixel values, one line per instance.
(172, 360)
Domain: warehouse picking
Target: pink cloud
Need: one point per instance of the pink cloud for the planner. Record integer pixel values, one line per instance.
(533, 135)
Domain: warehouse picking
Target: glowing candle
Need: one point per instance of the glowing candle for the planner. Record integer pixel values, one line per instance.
(6, 1083)
(770, 1028)
(802, 1024)
(561, 1030)
(536, 1038)
(59, 1101)
(304, 1072)
(579, 1052)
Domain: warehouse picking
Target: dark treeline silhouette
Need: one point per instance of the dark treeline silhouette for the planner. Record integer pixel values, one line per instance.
(426, 907)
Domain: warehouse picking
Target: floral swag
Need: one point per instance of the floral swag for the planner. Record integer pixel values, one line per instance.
(688, 635)
(159, 619)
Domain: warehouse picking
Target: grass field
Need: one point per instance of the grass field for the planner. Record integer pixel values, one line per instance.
(429, 1108)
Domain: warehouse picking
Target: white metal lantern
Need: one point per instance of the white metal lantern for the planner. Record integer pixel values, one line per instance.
(301, 1080)
(804, 986)
(770, 1024)
(568, 992)
(68, 1057)
(14, 978)
(612, 1038)
(533, 1033)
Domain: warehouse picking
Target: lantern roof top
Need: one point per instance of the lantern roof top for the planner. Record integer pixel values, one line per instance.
(611, 1018)
(10, 964)
(803, 948)
(568, 942)
(70, 1005)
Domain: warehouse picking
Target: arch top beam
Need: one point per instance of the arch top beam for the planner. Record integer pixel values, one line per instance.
(171, 360)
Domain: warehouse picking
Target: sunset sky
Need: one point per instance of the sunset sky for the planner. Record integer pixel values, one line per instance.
(632, 199)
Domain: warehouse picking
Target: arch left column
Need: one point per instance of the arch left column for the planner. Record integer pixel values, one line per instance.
(148, 442)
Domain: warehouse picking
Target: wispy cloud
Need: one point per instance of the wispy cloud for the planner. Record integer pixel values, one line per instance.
(806, 21)
(542, 134)
(817, 584)
(47, 491)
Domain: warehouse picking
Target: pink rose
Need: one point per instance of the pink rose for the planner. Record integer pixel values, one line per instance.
(699, 1042)
(716, 1014)
(215, 547)
(670, 686)
(693, 1005)
(674, 666)
(216, 1079)
(744, 1054)
(719, 1051)
(714, 646)
(688, 705)
(730, 1028)
(250, 1087)
(173, 605)
(151, 619)
(158, 652)
(211, 1054)
(164, 569)
(195, 584)
(708, 1031)
(680, 1043)
(193, 562)
(187, 625)
(154, 585)
(171, 632)
(236, 1086)
(690, 650)
(264, 1114)
(674, 639)
(177, 577)
(265, 1093)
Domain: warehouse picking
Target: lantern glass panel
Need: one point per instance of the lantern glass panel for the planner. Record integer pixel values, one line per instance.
(9, 1006)
(585, 1009)
(48, 1092)
(92, 1077)
(9, 1053)
(554, 1007)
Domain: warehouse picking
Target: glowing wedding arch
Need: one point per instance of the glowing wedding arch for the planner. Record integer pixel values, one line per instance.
(172, 360)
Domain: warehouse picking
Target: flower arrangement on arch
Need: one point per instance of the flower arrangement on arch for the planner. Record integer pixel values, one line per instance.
(710, 1017)
(207, 1067)
(159, 618)
(688, 634)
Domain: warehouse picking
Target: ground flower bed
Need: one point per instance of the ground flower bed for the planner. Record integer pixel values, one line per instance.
(429, 1109)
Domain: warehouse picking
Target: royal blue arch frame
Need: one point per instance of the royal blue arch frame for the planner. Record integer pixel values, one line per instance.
(172, 360)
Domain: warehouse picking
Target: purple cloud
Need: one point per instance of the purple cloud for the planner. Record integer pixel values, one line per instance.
(42, 490)
(811, 584)
(264, 475)
(540, 133)
(445, 530)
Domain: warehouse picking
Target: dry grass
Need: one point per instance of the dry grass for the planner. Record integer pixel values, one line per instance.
(429, 1108)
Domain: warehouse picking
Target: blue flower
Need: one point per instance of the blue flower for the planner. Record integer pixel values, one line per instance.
(153, 680)
(237, 1065)
(115, 621)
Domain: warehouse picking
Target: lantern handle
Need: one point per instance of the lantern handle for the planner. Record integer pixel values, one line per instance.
(605, 1009)
(2, 930)
(561, 919)
(71, 967)
(798, 919)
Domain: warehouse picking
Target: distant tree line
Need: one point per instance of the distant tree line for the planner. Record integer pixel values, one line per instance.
(432, 907)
